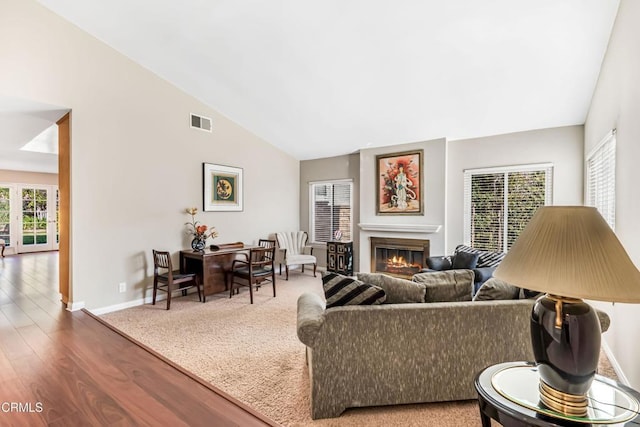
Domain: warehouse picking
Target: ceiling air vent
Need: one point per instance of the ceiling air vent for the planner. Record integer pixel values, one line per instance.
(201, 122)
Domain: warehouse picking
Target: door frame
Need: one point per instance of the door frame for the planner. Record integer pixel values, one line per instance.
(64, 199)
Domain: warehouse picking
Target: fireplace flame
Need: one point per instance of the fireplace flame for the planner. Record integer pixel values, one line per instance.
(398, 261)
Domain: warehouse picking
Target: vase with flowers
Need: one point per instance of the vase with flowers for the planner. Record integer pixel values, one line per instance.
(200, 232)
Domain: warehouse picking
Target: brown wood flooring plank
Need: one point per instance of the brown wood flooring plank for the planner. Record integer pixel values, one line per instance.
(83, 372)
(167, 385)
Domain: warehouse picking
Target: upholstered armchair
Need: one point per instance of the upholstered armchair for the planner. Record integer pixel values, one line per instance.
(293, 251)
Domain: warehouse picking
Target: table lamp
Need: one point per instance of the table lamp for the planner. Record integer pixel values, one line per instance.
(569, 253)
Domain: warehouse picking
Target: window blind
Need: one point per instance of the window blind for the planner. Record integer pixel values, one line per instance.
(499, 202)
(601, 178)
(331, 210)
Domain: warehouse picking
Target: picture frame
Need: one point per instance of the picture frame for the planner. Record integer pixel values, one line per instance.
(399, 186)
(221, 187)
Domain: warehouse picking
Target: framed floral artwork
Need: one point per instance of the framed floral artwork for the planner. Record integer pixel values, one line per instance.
(399, 183)
(222, 187)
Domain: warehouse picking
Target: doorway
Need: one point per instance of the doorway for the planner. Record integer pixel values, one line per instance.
(38, 219)
(38, 216)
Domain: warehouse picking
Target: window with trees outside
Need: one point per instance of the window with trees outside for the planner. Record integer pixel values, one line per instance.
(601, 178)
(331, 210)
(5, 214)
(499, 202)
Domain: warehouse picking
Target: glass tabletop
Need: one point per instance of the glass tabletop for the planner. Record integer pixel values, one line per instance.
(607, 404)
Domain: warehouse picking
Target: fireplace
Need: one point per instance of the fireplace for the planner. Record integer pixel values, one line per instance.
(398, 257)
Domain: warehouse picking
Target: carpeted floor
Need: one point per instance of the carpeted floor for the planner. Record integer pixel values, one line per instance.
(252, 352)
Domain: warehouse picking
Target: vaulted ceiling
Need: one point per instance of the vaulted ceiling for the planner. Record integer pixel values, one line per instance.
(319, 78)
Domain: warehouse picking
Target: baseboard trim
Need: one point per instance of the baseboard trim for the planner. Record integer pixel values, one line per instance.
(75, 305)
(121, 306)
(128, 304)
(615, 365)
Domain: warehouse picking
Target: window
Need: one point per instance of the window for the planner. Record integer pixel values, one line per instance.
(499, 202)
(5, 214)
(601, 178)
(331, 210)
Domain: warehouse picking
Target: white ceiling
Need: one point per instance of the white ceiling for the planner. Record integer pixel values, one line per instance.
(319, 78)
(21, 122)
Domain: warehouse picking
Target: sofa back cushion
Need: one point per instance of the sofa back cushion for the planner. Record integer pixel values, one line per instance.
(446, 286)
(485, 258)
(344, 290)
(496, 289)
(398, 290)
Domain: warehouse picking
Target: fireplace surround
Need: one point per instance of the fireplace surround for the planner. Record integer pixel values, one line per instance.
(398, 256)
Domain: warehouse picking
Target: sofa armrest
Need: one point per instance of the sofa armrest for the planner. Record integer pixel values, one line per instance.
(604, 319)
(438, 263)
(483, 274)
(310, 317)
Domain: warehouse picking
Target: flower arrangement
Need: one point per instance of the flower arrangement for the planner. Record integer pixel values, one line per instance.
(199, 231)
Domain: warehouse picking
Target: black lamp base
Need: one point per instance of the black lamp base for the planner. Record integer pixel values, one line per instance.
(568, 404)
(565, 335)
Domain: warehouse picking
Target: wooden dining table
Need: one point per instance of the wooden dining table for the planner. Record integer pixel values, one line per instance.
(212, 266)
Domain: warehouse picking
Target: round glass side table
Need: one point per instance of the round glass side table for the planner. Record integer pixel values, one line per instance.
(508, 393)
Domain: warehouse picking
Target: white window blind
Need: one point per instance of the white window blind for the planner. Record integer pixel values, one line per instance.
(331, 210)
(601, 178)
(499, 202)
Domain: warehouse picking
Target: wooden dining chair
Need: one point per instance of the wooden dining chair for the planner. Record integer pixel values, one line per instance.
(171, 280)
(254, 271)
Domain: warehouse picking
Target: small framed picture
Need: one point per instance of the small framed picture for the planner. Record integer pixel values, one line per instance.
(222, 187)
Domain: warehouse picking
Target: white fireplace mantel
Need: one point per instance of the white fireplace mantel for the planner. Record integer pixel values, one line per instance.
(400, 228)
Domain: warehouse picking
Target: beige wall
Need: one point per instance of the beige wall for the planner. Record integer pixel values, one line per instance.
(434, 185)
(18, 177)
(331, 168)
(616, 104)
(135, 163)
(560, 146)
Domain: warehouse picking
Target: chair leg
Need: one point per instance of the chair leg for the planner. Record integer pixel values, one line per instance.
(281, 269)
(286, 267)
(314, 269)
(231, 289)
(251, 291)
(155, 290)
(303, 268)
(273, 282)
(168, 296)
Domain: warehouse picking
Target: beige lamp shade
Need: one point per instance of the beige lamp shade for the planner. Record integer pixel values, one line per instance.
(571, 251)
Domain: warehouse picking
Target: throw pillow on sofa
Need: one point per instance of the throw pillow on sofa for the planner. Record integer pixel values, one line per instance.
(485, 258)
(496, 289)
(398, 290)
(343, 290)
(465, 260)
(446, 286)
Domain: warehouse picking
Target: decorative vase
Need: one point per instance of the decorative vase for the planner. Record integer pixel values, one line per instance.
(197, 244)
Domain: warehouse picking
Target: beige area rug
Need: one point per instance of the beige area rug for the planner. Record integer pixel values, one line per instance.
(252, 352)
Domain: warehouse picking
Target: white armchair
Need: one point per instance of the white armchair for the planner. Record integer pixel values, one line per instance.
(293, 251)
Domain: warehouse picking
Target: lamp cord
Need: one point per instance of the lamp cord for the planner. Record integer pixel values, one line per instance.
(615, 406)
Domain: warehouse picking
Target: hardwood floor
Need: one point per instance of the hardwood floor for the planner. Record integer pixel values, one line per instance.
(60, 368)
